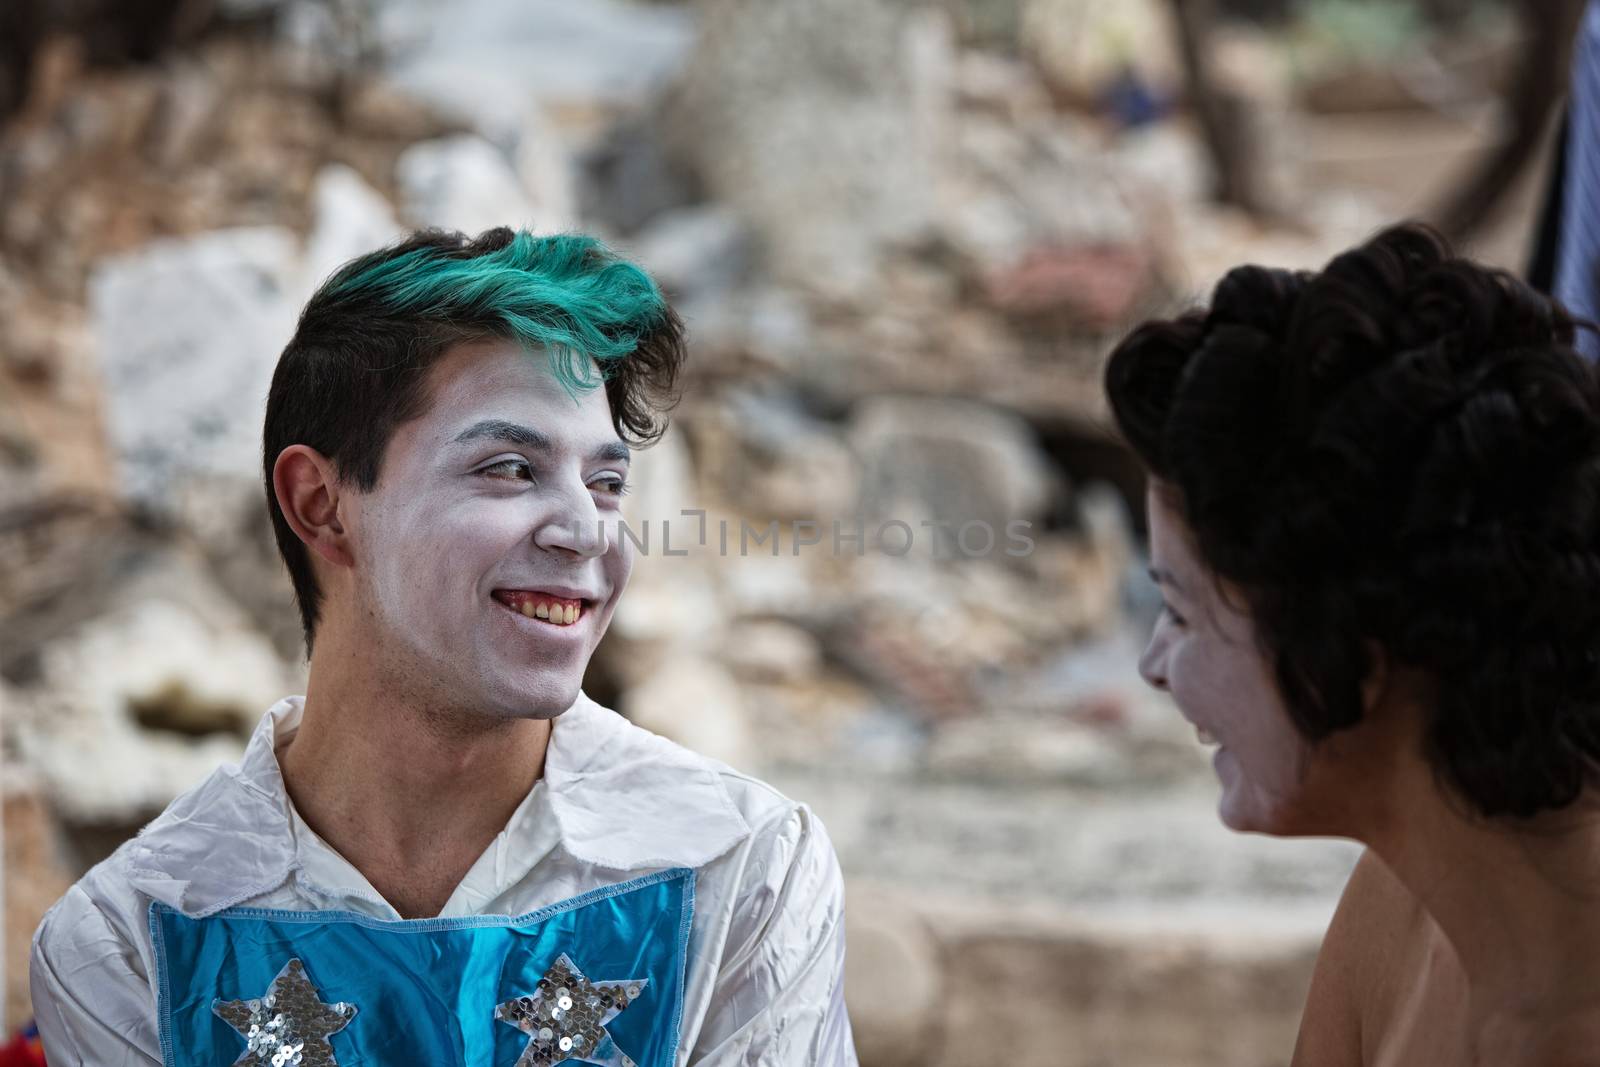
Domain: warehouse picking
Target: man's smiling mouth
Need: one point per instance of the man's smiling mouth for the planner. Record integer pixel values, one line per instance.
(532, 604)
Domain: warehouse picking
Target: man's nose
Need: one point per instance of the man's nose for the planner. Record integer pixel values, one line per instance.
(573, 527)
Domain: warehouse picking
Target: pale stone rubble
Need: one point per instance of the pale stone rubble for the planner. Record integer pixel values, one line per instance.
(902, 261)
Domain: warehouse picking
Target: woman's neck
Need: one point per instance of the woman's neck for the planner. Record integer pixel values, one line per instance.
(1517, 900)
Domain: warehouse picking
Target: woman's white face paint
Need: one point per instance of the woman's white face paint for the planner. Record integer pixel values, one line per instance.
(464, 508)
(1203, 652)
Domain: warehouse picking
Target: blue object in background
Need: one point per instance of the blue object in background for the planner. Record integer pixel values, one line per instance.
(1130, 102)
(1577, 273)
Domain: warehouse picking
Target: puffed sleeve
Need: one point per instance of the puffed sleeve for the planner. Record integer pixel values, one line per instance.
(779, 995)
(91, 999)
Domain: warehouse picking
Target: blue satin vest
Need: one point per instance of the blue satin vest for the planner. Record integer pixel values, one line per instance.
(603, 971)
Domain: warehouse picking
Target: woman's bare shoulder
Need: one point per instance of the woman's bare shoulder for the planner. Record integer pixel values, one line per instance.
(1370, 943)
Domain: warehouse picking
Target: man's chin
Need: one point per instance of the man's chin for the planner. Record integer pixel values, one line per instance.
(545, 699)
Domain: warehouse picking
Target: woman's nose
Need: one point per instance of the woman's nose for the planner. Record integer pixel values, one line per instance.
(1150, 667)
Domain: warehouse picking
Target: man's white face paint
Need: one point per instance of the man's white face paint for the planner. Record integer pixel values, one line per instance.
(462, 515)
(1203, 651)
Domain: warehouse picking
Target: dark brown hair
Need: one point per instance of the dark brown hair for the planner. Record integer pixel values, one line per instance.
(1404, 449)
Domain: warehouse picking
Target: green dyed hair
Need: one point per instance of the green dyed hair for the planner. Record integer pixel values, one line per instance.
(357, 365)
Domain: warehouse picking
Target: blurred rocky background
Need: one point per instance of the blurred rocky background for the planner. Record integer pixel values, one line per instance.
(904, 234)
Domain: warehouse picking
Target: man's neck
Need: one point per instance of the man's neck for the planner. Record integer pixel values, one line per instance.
(410, 796)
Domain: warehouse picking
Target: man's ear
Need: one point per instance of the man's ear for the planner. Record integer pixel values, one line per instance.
(308, 493)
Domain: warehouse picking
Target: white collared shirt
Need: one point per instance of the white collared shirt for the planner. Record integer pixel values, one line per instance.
(765, 956)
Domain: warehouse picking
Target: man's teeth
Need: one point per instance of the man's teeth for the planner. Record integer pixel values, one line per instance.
(561, 614)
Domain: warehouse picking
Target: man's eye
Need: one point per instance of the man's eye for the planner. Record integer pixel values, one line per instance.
(516, 464)
(613, 486)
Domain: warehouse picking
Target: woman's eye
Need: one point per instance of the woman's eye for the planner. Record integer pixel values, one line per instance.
(511, 463)
(1173, 615)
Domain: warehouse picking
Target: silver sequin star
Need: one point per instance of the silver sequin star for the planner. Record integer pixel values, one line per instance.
(288, 1026)
(566, 1015)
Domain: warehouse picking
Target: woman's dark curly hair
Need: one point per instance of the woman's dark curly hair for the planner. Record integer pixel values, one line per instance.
(1401, 449)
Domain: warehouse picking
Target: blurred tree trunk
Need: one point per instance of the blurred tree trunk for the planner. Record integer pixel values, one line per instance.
(1224, 125)
(1539, 85)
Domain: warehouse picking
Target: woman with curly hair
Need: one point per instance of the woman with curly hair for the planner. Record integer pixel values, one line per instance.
(1374, 512)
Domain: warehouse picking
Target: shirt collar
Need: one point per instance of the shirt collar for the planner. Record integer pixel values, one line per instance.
(621, 798)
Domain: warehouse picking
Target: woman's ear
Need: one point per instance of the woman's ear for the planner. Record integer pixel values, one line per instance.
(1397, 686)
(1375, 687)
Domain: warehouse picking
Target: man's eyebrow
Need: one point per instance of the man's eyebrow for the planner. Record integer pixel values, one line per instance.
(1162, 576)
(501, 430)
(527, 437)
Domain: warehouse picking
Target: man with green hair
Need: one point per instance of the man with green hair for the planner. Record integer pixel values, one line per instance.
(444, 852)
